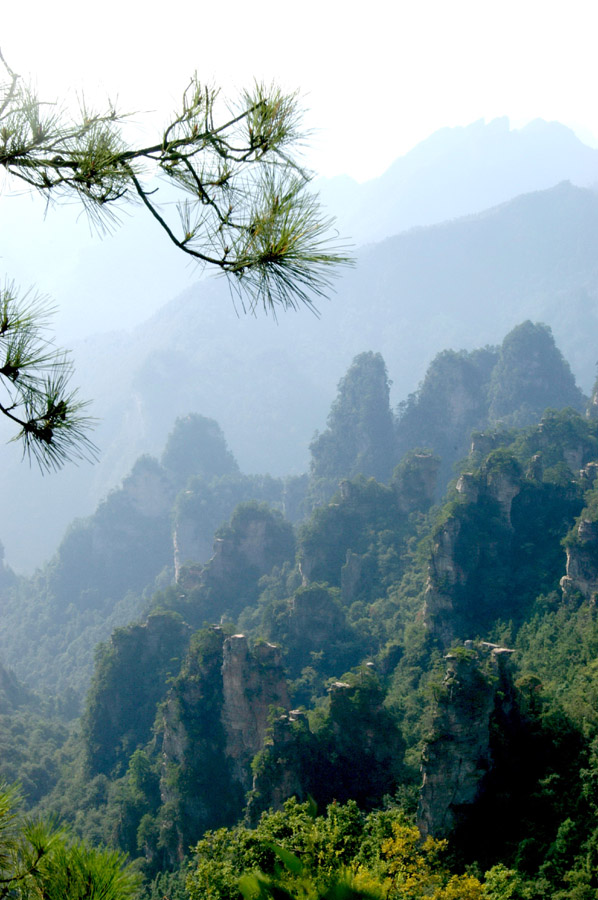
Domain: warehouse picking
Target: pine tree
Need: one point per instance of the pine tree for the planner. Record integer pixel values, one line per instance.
(243, 209)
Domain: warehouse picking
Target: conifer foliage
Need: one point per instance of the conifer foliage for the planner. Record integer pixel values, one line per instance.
(242, 209)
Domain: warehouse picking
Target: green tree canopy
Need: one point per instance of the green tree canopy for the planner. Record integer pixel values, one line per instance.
(40, 861)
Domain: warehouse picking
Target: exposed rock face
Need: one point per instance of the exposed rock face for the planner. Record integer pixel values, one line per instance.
(149, 488)
(592, 410)
(444, 573)
(256, 539)
(197, 788)
(458, 758)
(213, 723)
(312, 621)
(190, 544)
(503, 487)
(254, 546)
(450, 403)
(359, 438)
(200, 680)
(352, 576)
(311, 562)
(575, 450)
(468, 487)
(483, 442)
(143, 503)
(251, 684)
(357, 753)
(588, 474)
(582, 562)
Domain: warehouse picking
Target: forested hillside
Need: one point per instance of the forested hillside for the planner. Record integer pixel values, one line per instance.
(296, 678)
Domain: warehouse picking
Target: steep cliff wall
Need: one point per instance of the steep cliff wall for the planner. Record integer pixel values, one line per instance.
(256, 539)
(458, 758)
(130, 680)
(211, 725)
(471, 553)
(582, 562)
(498, 542)
(252, 683)
(355, 752)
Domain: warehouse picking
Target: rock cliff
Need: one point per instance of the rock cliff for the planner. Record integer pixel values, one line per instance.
(458, 758)
(256, 540)
(213, 722)
(507, 519)
(252, 683)
(131, 677)
(582, 562)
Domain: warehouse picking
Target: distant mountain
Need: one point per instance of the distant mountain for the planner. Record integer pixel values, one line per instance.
(269, 385)
(459, 171)
(117, 279)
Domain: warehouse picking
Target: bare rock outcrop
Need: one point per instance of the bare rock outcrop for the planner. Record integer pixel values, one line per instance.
(190, 543)
(444, 574)
(251, 685)
(582, 562)
(503, 486)
(212, 723)
(458, 758)
(281, 775)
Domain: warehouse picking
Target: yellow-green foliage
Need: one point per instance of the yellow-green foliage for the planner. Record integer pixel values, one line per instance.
(415, 870)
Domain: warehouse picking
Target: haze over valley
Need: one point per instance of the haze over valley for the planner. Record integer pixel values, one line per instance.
(321, 619)
(458, 283)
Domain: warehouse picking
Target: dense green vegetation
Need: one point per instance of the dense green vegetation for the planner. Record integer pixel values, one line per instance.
(329, 659)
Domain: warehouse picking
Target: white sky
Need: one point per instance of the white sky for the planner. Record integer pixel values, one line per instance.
(377, 77)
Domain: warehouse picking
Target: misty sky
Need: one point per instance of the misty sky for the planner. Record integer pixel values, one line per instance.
(377, 77)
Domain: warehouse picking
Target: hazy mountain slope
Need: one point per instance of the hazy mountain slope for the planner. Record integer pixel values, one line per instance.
(115, 280)
(457, 285)
(459, 171)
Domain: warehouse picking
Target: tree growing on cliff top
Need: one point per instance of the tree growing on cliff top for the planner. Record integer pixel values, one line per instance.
(243, 209)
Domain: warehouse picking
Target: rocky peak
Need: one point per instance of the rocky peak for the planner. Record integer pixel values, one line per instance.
(592, 410)
(283, 777)
(482, 442)
(503, 487)
(148, 488)
(588, 475)
(458, 757)
(190, 543)
(252, 683)
(257, 538)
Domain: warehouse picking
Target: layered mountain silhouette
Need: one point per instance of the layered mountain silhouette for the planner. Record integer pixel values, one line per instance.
(458, 284)
(459, 171)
